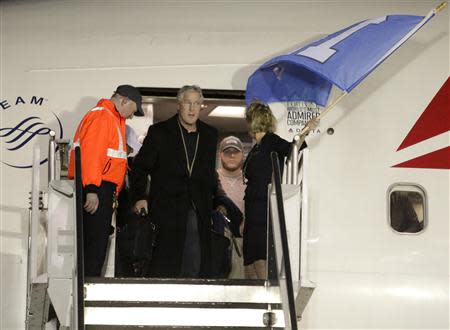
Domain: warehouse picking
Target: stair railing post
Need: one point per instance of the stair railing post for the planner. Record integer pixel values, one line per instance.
(51, 157)
(294, 157)
(33, 223)
(78, 278)
(283, 262)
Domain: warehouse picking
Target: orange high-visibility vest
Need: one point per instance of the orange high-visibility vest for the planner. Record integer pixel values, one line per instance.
(101, 136)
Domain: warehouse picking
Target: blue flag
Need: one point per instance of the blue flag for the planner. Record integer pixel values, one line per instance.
(343, 59)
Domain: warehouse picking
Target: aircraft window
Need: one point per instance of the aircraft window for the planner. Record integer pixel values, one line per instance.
(407, 208)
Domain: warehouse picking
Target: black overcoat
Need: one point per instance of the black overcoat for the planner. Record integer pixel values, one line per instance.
(172, 191)
(258, 172)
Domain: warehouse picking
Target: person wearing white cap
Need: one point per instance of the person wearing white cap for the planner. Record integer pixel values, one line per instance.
(231, 180)
(230, 174)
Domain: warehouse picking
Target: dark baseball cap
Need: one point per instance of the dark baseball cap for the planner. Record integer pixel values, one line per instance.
(231, 142)
(134, 95)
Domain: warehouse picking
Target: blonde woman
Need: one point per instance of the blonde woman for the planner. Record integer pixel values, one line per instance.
(258, 173)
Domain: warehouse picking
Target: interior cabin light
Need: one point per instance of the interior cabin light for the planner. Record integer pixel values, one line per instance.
(228, 111)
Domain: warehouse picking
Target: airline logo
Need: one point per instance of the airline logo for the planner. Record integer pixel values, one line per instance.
(26, 121)
(298, 114)
(432, 126)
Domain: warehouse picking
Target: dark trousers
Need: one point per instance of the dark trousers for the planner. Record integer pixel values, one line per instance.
(96, 230)
(190, 266)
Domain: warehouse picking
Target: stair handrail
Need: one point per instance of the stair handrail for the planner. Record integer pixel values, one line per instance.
(51, 157)
(287, 292)
(78, 293)
(33, 223)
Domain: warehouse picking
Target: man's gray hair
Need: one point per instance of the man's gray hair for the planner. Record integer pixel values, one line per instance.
(189, 88)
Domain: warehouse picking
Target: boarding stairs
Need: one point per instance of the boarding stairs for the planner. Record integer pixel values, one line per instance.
(143, 303)
(171, 303)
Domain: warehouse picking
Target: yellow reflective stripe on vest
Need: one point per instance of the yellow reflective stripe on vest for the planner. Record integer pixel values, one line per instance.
(119, 134)
(113, 153)
(119, 153)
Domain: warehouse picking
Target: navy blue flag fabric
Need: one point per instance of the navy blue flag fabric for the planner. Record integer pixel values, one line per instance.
(343, 59)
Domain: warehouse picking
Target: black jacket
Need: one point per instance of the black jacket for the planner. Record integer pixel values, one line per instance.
(172, 191)
(258, 172)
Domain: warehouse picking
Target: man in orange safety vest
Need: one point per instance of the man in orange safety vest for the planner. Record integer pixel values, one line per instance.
(102, 140)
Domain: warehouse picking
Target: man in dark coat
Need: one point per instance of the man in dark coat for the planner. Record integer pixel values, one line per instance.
(179, 155)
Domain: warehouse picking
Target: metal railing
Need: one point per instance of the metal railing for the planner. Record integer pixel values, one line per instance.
(33, 223)
(278, 222)
(291, 174)
(292, 182)
(57, 169)
(78, 293)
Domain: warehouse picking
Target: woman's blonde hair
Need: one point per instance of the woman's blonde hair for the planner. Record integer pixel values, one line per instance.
(260, 118)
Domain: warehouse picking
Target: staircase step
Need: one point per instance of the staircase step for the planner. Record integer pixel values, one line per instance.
(114, 303)
(158, 304)
(184, 290)
(179, 316)
(132, 327)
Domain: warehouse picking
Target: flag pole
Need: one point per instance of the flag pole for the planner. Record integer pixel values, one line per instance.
(307, 128)
(332, 105)
(299, 138)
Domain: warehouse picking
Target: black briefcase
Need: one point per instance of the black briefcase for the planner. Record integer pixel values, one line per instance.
(136, 241)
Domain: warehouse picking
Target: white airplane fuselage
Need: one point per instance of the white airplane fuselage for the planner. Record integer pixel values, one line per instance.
(58, 58)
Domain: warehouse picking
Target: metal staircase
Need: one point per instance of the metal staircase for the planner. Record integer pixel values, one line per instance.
(142, 303)
(177, 303)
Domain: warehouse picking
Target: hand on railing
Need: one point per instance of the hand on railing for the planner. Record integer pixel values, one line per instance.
(292, 161)
(310, 125)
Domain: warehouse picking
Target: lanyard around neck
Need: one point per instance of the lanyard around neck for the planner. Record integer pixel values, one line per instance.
(189, 166)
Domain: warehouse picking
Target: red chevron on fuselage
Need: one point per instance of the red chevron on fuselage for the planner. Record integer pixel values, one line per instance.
(434, 120)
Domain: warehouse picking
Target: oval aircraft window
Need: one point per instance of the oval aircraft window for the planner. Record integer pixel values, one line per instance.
(407, 208)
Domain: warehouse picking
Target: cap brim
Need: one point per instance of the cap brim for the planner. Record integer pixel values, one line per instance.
(229, 147)
(139, 112)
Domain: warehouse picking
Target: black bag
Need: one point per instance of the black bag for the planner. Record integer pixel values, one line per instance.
(220, 255)
(136, 241)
